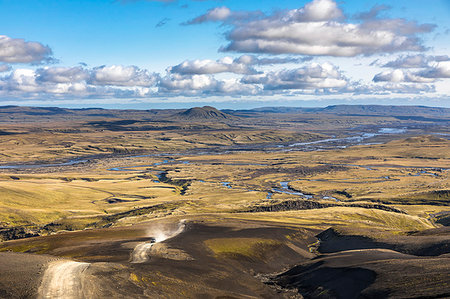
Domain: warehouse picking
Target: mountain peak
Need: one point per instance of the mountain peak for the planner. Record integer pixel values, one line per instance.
(205, 113)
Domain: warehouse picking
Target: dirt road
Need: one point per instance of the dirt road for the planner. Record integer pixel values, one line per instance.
(63, 279)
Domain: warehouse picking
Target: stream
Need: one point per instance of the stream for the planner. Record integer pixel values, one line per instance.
(307, 146)
(284, 185)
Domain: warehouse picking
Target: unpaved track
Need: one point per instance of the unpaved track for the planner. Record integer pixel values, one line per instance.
(140, 252)
(63, 279)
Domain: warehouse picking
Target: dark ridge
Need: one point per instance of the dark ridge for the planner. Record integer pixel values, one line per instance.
(35, 111)
(292, 205)
(420, 118)
(443, 218)
(183, 184)
(101, 114)
(317, 281)
(332, 241)
(108, 220)
(4, 133)
(15, 233)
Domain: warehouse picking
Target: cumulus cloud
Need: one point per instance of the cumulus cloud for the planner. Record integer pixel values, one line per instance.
(437, 71)
(415, 61)
(62, 74)
(401, 76)
(241, 65)
(206, 66)
(16, 50)
(196, 85)
(429, 73)
(410, 61)
(20, 80)
(254, 60)
(193, 79)
(122, 76)
(315, 11)
(24, 82)
(177, 82)
(318, 28)
(388, 88)
(76, 82)
(393, 88)
(313, 76)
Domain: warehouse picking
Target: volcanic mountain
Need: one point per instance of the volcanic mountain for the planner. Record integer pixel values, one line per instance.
(205, 113)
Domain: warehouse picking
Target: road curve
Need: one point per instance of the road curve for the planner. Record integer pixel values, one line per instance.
(140, 252)
(63, 279)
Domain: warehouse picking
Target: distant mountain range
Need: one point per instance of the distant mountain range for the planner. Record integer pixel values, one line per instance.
(360, 110)
(208, 113)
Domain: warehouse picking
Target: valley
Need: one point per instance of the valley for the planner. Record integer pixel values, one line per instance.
(336, 202)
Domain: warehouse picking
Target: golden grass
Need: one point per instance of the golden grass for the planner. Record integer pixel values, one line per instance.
(41, 199)
(77, 197)
(342, 216)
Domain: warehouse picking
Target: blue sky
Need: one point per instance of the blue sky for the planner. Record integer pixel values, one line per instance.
(231, 54)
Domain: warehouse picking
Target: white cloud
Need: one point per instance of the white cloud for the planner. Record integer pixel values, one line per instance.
(75, 82)
(23, 80)
(410, 61)
(428, 74)
(15, 50)
(131, 82)
(240, 65)
(62, 74)
(206, 66)
(212, 15)
(398, 88)
(313, 76)
(187, 83)
(436, 71)
(318, 28)
(399, 75)
(119, 75)
(316, 11)
(204, 85)
(389, 88)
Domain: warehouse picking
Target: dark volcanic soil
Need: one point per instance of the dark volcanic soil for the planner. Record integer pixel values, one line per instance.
(181, 267)
(350, 264)
(357, 266)
(20, 274)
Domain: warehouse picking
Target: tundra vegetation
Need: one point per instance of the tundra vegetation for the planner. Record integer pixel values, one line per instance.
(338, 202)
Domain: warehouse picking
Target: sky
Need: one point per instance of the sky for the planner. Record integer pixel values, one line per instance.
(226, 53)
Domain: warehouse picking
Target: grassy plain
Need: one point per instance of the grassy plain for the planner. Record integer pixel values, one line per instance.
(410, 175)
(253, 203)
